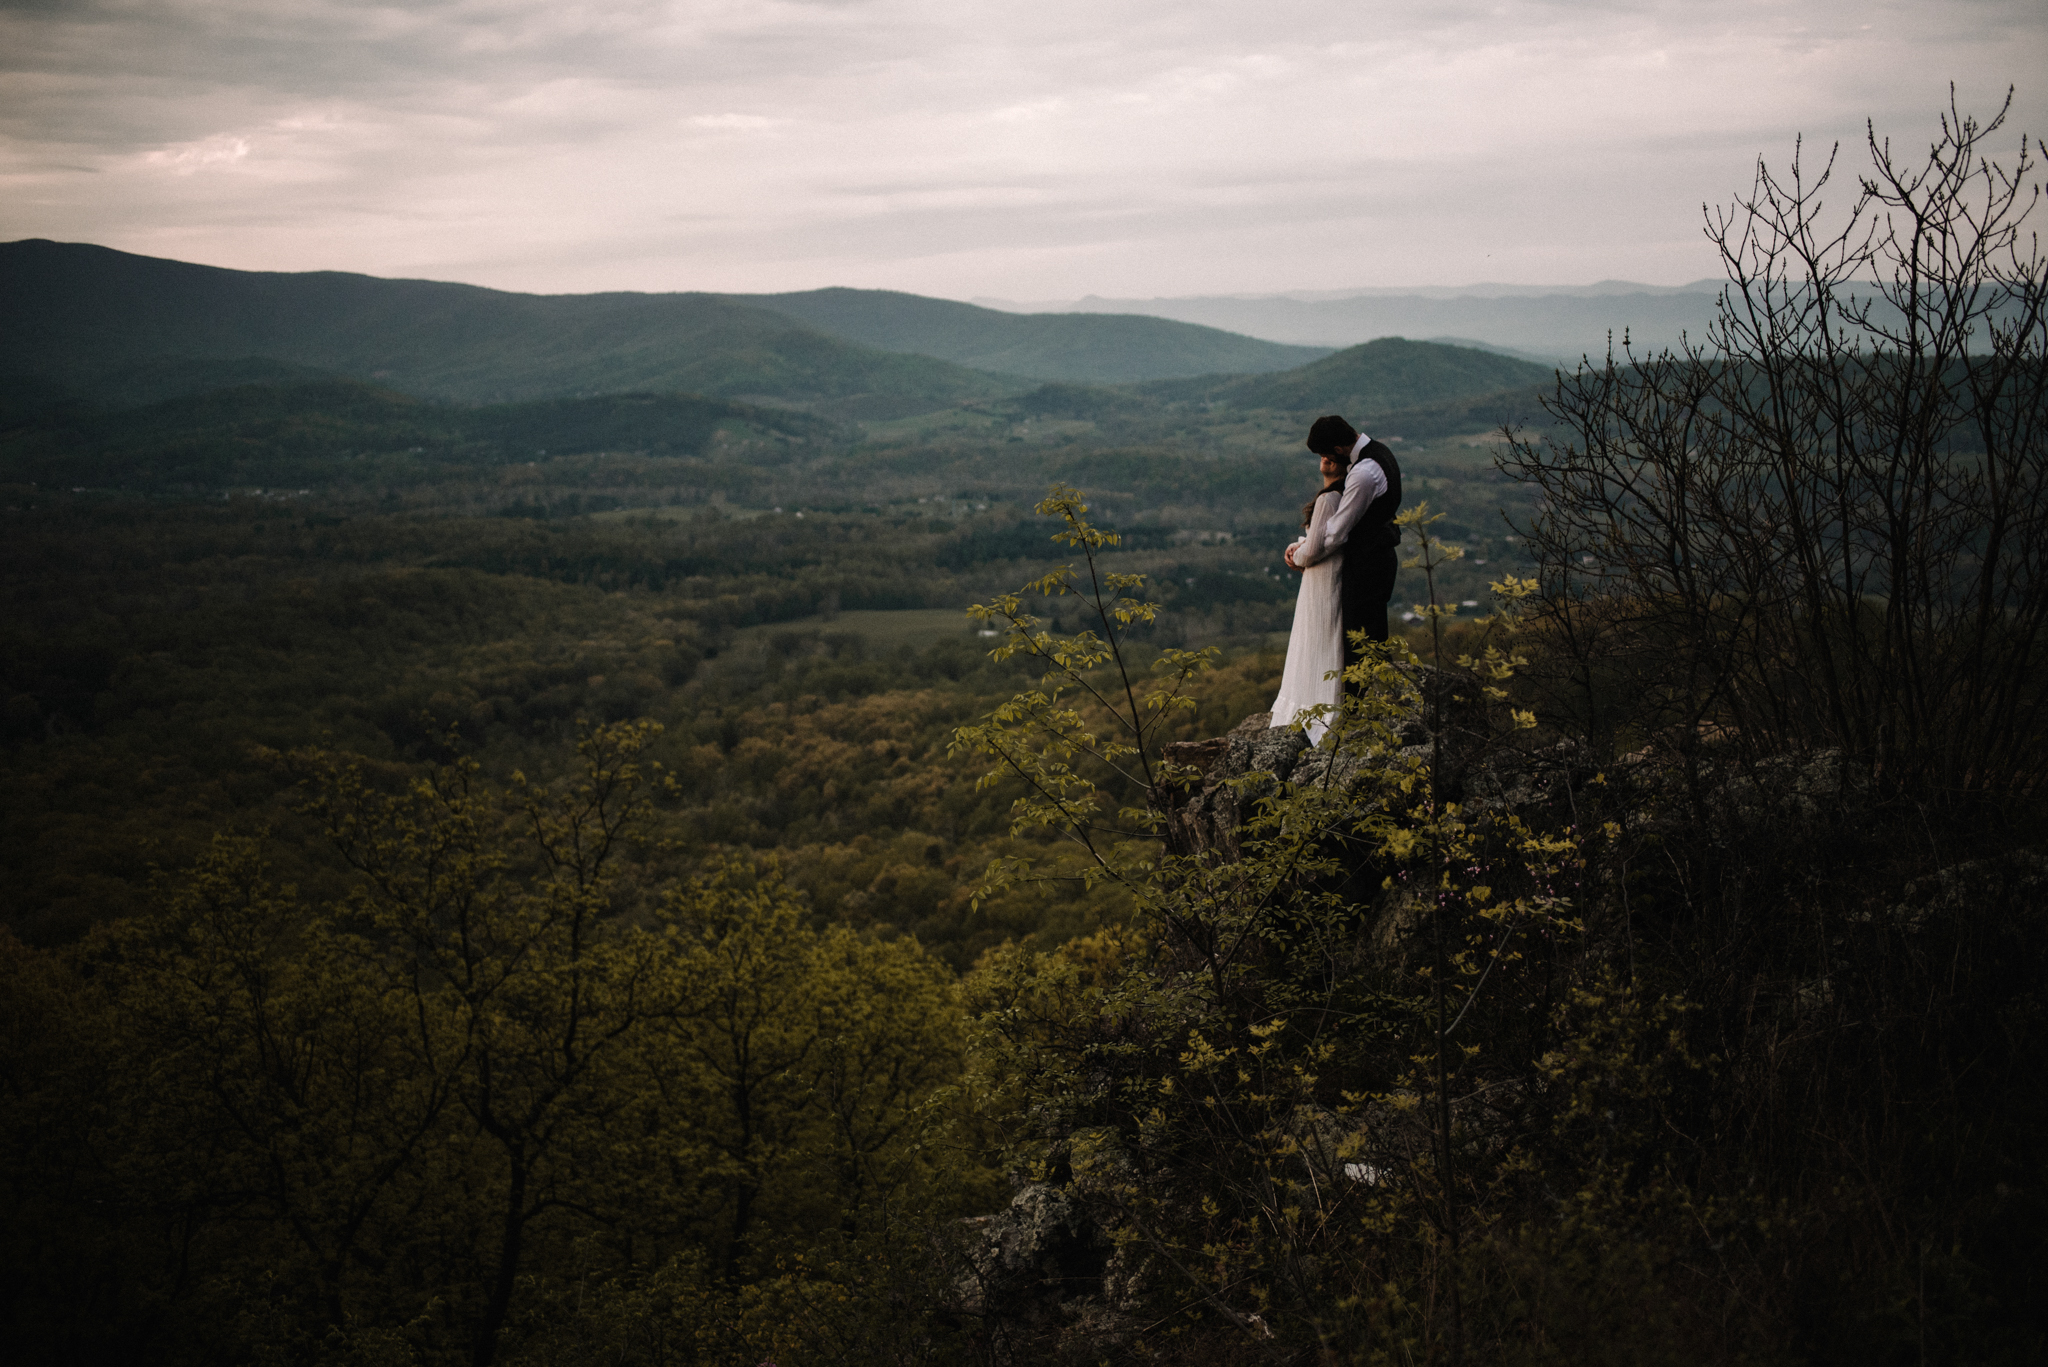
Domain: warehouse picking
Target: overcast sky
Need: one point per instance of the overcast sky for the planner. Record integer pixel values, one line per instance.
(1026, 149)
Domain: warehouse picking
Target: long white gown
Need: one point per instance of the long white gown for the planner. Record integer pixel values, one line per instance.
(1315, 644)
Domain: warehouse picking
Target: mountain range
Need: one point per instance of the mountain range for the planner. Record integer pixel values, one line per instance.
(1556, 324)
(1092, 347)
(111, 362)
(88, 316)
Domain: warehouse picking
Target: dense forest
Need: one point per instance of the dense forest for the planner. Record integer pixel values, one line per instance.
(685, 875)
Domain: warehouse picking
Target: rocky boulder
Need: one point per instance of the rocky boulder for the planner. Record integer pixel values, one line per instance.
(1028, 1265)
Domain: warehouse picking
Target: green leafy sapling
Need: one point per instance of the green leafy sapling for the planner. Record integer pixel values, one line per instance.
(1090, 736)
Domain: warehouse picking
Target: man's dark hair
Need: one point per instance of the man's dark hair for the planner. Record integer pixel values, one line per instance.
(1332, 434)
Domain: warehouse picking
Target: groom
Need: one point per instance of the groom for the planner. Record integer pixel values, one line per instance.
(1363, 525)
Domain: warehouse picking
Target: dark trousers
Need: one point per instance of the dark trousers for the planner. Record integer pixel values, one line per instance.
(1366, 589)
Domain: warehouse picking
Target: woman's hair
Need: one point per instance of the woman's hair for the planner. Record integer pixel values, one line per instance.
(1308, 509)
(1332, 438)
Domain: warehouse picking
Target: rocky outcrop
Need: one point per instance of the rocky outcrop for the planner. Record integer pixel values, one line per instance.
(1032, 1267)
(2016, 882)
(1488, 769)
(1444, 713)
(1205, 817)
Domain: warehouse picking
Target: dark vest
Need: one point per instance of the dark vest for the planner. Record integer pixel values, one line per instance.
(1375, 529)
(1370, 564)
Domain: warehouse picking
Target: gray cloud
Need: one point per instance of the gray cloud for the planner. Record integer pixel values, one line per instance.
(1031, 150)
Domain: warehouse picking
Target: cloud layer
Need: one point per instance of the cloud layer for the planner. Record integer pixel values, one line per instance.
(1028, 150)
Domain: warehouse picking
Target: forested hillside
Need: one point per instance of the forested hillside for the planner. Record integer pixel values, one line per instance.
(88, 316)
(1371, 378)
(336, 433)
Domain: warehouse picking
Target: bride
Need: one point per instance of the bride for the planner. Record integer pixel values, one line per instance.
(1315, 645)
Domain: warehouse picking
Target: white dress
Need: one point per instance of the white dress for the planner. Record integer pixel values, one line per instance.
(1315, 644)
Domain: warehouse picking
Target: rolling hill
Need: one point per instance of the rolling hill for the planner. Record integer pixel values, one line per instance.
(1375, 377)
(84, 314)
(116, 330)
(1418, 390)
(131, 328)
(1090, 348)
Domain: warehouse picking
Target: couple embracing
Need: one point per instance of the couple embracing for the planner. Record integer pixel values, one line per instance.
(1347, 561)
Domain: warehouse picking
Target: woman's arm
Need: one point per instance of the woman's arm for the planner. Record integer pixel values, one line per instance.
(1316, 543)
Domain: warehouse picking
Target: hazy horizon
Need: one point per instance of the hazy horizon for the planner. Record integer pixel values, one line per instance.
(1483, 289)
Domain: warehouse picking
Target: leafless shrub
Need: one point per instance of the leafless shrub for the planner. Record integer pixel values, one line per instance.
(1825, 523)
